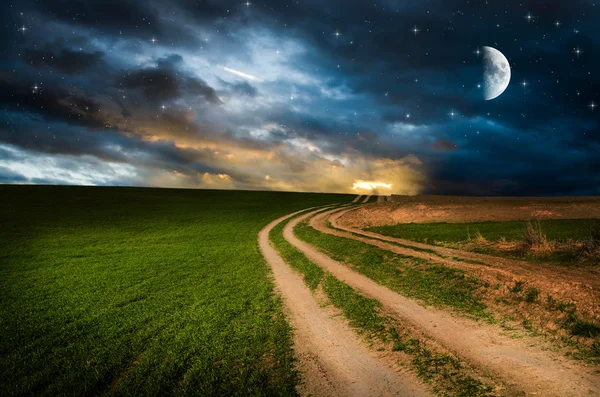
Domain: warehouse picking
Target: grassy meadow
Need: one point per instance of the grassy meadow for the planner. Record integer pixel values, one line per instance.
(131, 291)
(561, 241)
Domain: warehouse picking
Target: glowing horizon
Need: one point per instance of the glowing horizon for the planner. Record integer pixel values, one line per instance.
(370, 185)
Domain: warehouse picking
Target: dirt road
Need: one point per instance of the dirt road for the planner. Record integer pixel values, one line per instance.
(331, 358)
(366, 200)
(566, 283)
(520, 363)
(356, 198)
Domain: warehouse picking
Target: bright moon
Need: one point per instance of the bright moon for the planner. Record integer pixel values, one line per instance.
(496, 73)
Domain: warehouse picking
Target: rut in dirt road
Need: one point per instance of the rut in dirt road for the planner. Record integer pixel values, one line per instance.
(357, 198)
(331, 358)
(380, 199)
(517, 362)
(366, 200)
(504, 267)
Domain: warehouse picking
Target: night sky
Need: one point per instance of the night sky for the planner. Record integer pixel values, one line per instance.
(307, 95)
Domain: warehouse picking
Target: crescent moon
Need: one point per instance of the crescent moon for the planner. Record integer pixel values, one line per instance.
(496, 73)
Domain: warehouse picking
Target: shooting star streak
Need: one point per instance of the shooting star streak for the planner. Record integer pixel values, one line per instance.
(241, 74)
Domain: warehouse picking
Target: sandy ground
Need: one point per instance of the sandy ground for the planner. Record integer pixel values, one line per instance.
(427, 209)
(331, 358)
(520, 363)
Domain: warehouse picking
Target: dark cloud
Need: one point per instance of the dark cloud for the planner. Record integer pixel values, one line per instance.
(165, 83)
(66, 61)
(51, 103)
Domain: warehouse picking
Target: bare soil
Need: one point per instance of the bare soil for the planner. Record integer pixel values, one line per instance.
(331, 358)
(520, 363)
(430, 209)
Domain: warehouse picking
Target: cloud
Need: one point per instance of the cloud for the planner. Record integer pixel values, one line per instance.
(310, 110)
(66, 61)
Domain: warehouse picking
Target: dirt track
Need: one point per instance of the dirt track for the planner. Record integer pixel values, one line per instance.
(331, 358)
(569, 284)
(518, 362)
(356, 198)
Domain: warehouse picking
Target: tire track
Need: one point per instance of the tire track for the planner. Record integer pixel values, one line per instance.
(507, 268)
(331, 358)
(521, 365)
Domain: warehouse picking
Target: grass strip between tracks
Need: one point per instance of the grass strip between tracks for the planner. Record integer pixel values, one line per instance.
(443, 371)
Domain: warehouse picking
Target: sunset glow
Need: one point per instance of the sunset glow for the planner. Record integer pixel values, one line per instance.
(370, 185)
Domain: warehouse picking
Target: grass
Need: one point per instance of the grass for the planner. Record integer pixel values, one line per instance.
(127, 291)
(561, 230)
(444, 371)
(414, 277)
(552, 239)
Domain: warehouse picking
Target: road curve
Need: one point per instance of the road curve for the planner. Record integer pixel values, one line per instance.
(517, 362)
(331, 358)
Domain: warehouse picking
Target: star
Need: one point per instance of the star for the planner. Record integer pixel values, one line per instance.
(23, 29)
(557, 24)
(524, 84)
(529, 17)
(163, 107)
(248, 4)
(337, 34)
(577, 51)
(477, 52)
(415, 30)
(452, 113)
(408, 115)
(153, 40)
(593, 106)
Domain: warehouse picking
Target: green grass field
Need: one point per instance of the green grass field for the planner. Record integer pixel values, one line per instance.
(556, 230)
(127, 291)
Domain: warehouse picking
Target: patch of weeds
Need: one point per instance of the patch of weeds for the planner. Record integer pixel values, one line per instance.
(596, 347)
(534, 238)
(584, 328)
(590, 249)
(553, 304)
(517, 288)
(527, 324)
(532, 294)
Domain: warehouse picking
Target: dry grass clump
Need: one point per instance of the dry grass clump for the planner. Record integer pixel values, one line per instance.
(534, 239)
(590, 248)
